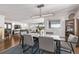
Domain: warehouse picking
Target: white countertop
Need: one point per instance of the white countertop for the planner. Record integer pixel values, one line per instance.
(55, 37)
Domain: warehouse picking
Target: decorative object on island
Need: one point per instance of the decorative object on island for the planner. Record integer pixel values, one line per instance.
(39, 29)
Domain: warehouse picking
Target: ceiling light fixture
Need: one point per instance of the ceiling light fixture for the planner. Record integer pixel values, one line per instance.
(40, 6)
(41, 15)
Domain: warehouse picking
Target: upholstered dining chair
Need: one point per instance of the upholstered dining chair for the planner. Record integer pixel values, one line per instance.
(28, 41)
(70, 45)
(47, 44)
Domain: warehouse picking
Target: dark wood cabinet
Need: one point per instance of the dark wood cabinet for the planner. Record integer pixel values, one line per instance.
(71, 27)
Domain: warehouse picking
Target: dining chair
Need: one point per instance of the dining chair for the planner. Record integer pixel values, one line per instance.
(46, 44)
(70, 45)
(28, 41)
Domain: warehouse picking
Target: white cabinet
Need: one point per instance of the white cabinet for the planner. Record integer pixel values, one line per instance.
(2, 27)
(2, 20)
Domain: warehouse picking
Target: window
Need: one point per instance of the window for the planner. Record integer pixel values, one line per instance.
(5, 26)
(9, 26)
(54, 24)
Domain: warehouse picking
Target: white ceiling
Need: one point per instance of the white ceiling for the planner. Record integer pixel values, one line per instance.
(26, 11)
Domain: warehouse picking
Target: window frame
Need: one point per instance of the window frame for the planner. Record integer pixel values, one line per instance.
(50, 23)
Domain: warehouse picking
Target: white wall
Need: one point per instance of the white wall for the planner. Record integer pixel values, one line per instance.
(77, 14)
(76, 17)
(2, 19)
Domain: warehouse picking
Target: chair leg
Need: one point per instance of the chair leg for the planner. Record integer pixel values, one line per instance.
(72, 48)
(23, 51)
(39, 51)
(32, 50)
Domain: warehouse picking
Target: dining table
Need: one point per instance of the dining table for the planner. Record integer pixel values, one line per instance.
(56, 38)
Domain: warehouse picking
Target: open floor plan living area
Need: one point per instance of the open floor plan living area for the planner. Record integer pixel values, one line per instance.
(39, 28)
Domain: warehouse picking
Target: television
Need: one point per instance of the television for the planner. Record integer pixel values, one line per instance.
(17, 26)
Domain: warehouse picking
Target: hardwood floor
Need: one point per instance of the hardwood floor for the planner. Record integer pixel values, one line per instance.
(13, 41)
(9, 42)
(77, 50)
(1, 45)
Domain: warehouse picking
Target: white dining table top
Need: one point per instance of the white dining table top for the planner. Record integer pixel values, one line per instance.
(55, 37)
